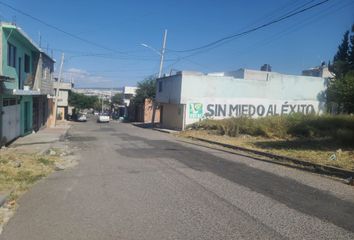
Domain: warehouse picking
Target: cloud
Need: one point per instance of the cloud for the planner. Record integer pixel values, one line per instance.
(83, 78)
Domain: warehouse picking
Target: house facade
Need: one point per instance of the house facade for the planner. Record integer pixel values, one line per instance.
(188, 97)
(63, 98)
(23, 90)
(128, 93)
(143, 112)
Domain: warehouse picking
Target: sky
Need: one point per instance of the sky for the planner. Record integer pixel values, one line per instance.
(102, 43)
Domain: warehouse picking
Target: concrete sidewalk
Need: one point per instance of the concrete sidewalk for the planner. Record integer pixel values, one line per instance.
(42, 140)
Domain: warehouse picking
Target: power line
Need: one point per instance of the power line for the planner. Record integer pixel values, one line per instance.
(270, 15)
(61, 30)
(222, 40)
(184, 58)
(330, 10)
(105, 55)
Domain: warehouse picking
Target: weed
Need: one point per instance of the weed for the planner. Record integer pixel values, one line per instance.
(28, 177)
(339, 128)
(3, 160)
(45, 161)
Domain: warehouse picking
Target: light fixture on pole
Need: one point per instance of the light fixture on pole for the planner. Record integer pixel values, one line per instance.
(161, 53)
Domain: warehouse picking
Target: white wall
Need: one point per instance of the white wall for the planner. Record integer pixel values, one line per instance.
(129, 90)
(171, 89)
(221, 97)
(172, 116)
(249, 74)
(219, 108)
(278, 87)
(63, 98)
(264, 94)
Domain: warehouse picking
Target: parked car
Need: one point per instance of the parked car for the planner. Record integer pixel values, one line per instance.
(81, 118)
(103, 118)
(115, 116)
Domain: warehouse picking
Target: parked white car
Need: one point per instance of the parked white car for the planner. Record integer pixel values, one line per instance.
(82, 118)
(103, 118)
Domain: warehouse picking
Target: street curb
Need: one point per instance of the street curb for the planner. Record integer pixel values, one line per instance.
(308, 166)
(61, 138)
(162, 130)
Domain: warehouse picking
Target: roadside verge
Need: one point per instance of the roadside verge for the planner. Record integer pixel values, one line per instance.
(288, 161)
(28, 160)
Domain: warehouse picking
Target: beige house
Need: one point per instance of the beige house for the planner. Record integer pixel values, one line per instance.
(63, 99)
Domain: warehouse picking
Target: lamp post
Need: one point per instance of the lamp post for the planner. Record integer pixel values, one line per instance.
(162, 54)
(149, 47)
(57, 90)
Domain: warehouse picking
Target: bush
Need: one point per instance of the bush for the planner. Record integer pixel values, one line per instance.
(340, 127)
(345, 136)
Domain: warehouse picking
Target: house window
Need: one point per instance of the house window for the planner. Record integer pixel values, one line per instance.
(9, 102)
(11, 55)
(27, 63)
(160, 86)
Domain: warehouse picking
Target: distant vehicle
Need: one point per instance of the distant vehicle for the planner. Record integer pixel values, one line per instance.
(82, 118)
(115, 116)
(103, 118)
(95, 113)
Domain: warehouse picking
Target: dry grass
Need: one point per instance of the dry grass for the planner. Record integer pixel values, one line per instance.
(18, 171)
(312, 150)
(339, 128)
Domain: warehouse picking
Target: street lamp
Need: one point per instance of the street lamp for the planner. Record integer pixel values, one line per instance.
(160, 53)
(149, 47)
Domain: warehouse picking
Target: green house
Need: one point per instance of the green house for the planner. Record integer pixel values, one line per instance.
(19, 57)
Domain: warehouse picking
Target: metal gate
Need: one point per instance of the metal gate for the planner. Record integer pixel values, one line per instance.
(11, 123)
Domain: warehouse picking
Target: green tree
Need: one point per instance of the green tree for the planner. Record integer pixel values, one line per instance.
(81, 101)
(118, 99)
(340, 91)
(351, 50)
(341, 60)
(146, 89)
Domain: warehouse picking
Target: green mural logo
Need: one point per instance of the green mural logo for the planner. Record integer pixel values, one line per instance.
(195, 110)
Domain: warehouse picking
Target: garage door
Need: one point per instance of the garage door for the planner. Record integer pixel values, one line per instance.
(11, 122)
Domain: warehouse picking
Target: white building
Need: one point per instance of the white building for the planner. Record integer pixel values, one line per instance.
(63, 98)
(188, 97)
(105, 93)
(320, 71)
(128, 94)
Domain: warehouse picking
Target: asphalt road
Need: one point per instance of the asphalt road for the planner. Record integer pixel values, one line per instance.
(134, 183)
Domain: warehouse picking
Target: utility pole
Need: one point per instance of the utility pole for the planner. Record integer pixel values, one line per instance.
(58, 89)
(159, 76)
(163, 52)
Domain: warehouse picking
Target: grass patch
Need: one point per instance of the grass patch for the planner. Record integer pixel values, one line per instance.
(45, 161)
(18, 171)
(339, 128)
(311, 138)
(27, 177)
